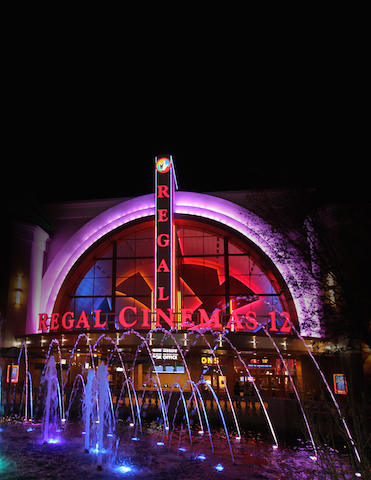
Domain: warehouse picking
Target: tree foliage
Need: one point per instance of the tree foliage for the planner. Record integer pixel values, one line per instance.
(332, 237)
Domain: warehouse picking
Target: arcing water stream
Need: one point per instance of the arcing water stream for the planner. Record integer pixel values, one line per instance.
(100, 418)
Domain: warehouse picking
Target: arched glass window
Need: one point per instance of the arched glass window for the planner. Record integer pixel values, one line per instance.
(215, 269)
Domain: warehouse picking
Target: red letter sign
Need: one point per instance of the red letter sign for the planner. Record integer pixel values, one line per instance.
(164, 294)
(43, 317)
(122, 319)
(70, 320)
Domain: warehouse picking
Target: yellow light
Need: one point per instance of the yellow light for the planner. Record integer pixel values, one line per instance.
(18, 297)
(231, 312)
(18, 291)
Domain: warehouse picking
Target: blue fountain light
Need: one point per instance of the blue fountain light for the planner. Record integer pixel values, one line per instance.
(219, 467)
(54, 440)
(123, 469)
(96, 450)
(201, 457)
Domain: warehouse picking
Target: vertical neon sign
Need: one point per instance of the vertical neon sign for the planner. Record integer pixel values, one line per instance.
(165, 292)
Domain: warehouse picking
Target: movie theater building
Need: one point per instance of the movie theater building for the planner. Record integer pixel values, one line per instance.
(158, 272)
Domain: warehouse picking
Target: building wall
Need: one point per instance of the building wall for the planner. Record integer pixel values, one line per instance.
(67, 218)
(29, 243)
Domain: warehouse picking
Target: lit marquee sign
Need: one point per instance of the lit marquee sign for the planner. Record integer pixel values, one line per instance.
(207, 360)
(260, 363)
(165, 309)
(165, 293)
(130, 317)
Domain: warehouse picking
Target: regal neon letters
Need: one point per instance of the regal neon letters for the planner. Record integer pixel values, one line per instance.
(185, 320)
(165, 283)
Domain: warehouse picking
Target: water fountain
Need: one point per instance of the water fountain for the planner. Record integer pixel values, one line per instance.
(52, 402)
(1, 384)
(100, 418)
(103, 401)
(87, 407)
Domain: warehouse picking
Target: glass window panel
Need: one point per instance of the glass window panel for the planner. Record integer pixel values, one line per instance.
(85, 287)
(203, 282)
(140, 244)
(234, 249)
(139, 303)
(191, 302)
(146, 234)
(125, 268)
(90, 273)
(126, 248)
(145, 266)
(199, 242)
(261, 284)
(108, 254)
(201, 276)
(191, 241)
(104, 304)
(243, 264)
(102, 286)
(103, 268)
(81, 304)
(97, 281)
(145, 247)
(213, 244)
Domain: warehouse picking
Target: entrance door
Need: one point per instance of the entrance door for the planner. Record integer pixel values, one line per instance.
(216, 381)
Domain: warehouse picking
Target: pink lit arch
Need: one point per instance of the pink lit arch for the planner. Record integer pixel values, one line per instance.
(193, 204)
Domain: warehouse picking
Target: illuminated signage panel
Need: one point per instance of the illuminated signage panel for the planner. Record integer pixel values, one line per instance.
(210, 360)
(12, 374)
(190, 298)
(260, 363)
(131, 317)
(165, 354)
(340, 384)
(164, 295)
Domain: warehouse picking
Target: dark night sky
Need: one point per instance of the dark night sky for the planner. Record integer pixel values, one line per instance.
(240, 104)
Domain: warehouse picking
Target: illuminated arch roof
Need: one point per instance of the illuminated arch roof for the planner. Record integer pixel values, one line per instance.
(251, 226)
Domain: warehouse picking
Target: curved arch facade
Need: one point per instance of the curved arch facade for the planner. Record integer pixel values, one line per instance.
(224, 212)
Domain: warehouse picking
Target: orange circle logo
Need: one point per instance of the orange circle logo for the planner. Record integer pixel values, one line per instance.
(163, 165)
